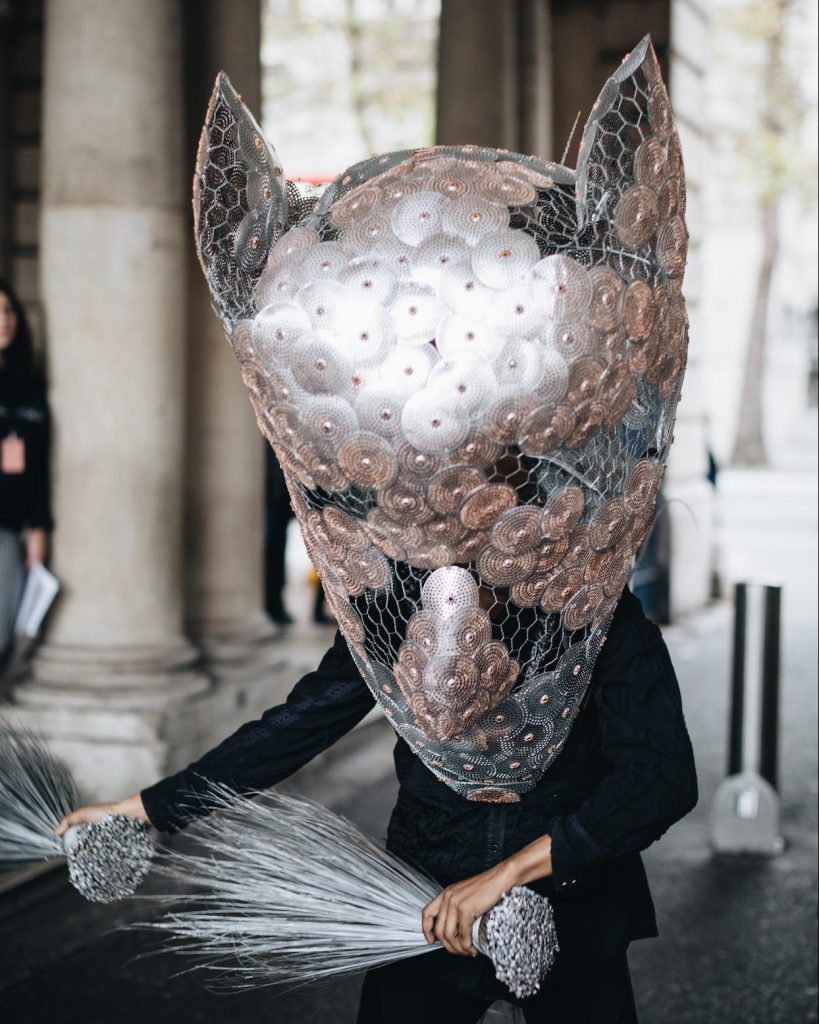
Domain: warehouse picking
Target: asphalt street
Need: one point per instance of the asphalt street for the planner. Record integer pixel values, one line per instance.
(738, 938)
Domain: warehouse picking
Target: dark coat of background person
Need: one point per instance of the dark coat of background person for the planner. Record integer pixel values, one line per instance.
(25, 497)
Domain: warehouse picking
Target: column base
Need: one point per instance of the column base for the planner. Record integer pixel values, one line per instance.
(117, 716)
(122, 719)
(230, 642)
(145, 677)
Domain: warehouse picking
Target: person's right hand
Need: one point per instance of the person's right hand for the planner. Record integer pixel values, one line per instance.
(131, 807)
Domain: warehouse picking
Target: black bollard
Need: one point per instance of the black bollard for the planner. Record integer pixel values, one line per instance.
(756, 650)
(745, 815)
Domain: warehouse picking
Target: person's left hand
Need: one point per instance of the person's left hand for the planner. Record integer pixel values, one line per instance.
(36, 547)
(450, 916)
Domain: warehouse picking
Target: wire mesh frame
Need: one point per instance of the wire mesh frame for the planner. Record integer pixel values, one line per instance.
(468, 363)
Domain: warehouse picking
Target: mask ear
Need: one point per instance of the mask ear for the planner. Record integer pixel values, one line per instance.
(239, 202)
(630, 179)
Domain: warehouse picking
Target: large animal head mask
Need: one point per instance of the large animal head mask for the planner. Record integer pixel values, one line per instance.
(468, 363)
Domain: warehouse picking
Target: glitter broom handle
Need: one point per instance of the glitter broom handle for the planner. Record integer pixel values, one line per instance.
(71, 837)
(479, 927)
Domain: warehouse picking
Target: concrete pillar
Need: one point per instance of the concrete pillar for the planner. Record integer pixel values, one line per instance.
(116, 671)
(494, 75)
(515, 73)
(225, 464)
(690, 497)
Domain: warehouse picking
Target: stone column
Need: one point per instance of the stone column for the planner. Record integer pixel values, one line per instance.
(494, 75)
(225, 452)
(116, 671)
(691, 505)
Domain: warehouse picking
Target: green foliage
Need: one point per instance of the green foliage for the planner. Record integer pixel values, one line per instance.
(762, 42)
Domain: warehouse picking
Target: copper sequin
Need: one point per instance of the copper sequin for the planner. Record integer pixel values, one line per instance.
(563, 511)
(607, 294)
(477, 450)
(550, 552)
(493, 796)
(404, 504)
(507, 190)
(641, 486)
(578, 610)
(257, 384)
(528, 592)
(517, 530)
(618, 402)
(449, 488)
(382, 525)
(590, 417)
(659, 112)
(609, 523)
(368, 460)
(612, 380)
(415, 464)
(504, 420)
(636, 217)
(670, 198)
(560, 589)
(672, 246)
(485, 505)
(584, 377)
(639, 310)
(422, 630)
(354, 205)
(579, 548)
(502, 569)
(649, 163)
(546, 429)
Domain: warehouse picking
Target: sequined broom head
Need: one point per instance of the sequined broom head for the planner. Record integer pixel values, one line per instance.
(468, 363)
(106, 860)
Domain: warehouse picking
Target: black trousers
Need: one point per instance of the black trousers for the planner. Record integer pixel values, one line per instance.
(402, 994)
(279, 514)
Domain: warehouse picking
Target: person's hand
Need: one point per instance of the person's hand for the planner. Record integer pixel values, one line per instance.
(450, 916)
(131, 807)
(36, 547)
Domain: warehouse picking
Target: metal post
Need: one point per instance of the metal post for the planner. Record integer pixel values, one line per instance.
(769, 726)
(745, 813)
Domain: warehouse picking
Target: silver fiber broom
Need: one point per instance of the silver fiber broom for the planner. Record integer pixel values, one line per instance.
(294, 893)
(106, 861)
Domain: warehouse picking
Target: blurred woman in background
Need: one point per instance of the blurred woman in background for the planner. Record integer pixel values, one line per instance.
(25, 499)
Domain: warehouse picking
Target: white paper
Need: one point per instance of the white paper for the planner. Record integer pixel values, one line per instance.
(38, 595)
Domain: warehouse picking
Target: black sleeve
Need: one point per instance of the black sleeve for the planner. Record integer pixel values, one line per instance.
(652, 782)
(39, 513)
(321, 708)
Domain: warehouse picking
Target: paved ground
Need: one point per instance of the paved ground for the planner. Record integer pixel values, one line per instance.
(738, 941)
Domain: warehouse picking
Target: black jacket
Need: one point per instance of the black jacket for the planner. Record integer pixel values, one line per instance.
(624, 776)
(25, 498)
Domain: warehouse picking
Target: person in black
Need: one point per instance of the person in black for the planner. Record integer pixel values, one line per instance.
(25, 502)
(625, 775)
(278, 514)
